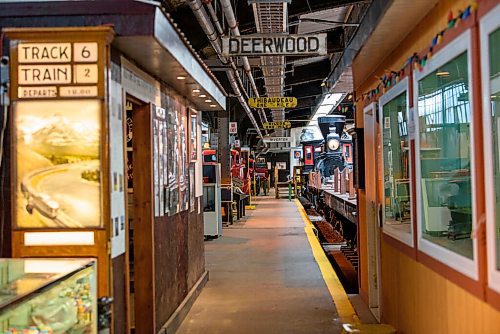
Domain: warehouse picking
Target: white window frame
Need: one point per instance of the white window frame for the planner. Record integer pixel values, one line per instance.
(460, 263)
(398, 89)
(489, 23)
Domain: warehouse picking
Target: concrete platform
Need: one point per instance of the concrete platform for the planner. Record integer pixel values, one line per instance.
(263, 278)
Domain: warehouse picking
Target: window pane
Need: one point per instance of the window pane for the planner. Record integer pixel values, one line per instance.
(445, 156)
(494, 43)
(396, 164)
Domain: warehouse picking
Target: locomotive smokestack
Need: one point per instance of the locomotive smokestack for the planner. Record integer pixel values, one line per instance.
(336, 122)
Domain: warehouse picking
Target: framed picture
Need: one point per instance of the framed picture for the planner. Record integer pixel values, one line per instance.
(193, 135)
(57, 149)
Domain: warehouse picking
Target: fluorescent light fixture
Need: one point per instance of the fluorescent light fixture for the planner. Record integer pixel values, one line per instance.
(330, 101)
(59, 238)
(202, 95)
(181, 77)
(213, 105)
(196, 90)
(208, 101)
(443, 73)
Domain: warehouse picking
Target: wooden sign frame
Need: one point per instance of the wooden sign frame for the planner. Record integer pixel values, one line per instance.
(102, 36)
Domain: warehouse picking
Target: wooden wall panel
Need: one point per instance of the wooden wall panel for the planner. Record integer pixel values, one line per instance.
(179, 260)
(362, 242)
(181, 225)
(119, 294)
(166, 268)
(196, 247)
(5, 196)
(417, 300)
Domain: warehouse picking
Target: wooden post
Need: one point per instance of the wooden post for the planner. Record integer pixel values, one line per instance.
(144, 263)
(343, 181)
(352, 192)
(336, 180)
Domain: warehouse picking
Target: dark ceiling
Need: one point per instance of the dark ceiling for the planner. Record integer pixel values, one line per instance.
(304, 77)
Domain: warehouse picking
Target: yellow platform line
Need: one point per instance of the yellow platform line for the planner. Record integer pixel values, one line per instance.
(344, 307)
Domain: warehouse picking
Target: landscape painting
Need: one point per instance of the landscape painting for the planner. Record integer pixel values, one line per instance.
(58, 170)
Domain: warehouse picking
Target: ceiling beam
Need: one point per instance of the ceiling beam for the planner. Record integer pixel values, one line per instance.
(297, 8)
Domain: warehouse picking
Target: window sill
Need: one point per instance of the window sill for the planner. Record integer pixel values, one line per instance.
(399, 231)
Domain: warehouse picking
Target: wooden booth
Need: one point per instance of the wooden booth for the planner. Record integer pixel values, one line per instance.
(67, 193)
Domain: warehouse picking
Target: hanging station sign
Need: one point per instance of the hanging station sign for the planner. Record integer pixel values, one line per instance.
(274, 44)
(277, 102)
(277, 139)
(277, 125)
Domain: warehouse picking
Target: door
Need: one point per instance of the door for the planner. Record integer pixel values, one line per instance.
(372, 208)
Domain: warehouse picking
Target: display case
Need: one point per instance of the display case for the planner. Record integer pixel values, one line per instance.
(48, 296)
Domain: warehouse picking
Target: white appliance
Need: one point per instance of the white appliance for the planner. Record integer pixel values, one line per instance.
(212, 216)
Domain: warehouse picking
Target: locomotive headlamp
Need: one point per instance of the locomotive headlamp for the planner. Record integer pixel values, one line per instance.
(333, 144)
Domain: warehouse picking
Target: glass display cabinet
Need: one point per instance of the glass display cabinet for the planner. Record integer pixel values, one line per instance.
(48, 296)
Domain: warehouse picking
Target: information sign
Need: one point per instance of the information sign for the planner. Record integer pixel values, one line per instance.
(233, 128)
(277, 125)
(277, 139)
(274, 44)
(57, 70)
(278, 102)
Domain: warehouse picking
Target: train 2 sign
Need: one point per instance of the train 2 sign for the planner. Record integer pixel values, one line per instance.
(274, 44)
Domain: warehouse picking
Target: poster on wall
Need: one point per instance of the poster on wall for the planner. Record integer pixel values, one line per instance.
(193, 135)
(58, 151)
(163, 160)
(192, 196)
(183, 159)
(129, 144)
(281, 165)
(116, 166)
(173, 155)
(160, 163)
(297, 154)
(156, 169)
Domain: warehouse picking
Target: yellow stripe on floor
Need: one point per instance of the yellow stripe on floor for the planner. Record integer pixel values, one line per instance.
(344, 307)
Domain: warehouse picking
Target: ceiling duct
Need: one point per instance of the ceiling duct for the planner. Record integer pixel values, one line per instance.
(271, 17)
(233, 76)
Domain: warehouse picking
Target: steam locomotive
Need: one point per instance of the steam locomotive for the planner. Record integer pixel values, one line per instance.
(333, 151)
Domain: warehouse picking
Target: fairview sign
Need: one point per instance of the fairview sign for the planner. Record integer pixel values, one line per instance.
(272, 102)
(277, 125)
(274, 44)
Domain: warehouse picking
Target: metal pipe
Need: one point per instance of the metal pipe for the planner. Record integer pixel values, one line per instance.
(227, 8)
(207, 26)
(215, 19)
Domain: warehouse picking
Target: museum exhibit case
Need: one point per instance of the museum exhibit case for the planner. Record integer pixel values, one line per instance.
(48, 296)
(67, 179)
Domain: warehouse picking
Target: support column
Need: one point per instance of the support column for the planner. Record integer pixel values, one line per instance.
(224, 151)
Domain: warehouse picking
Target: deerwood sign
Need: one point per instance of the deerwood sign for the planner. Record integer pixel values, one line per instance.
(272, 44)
